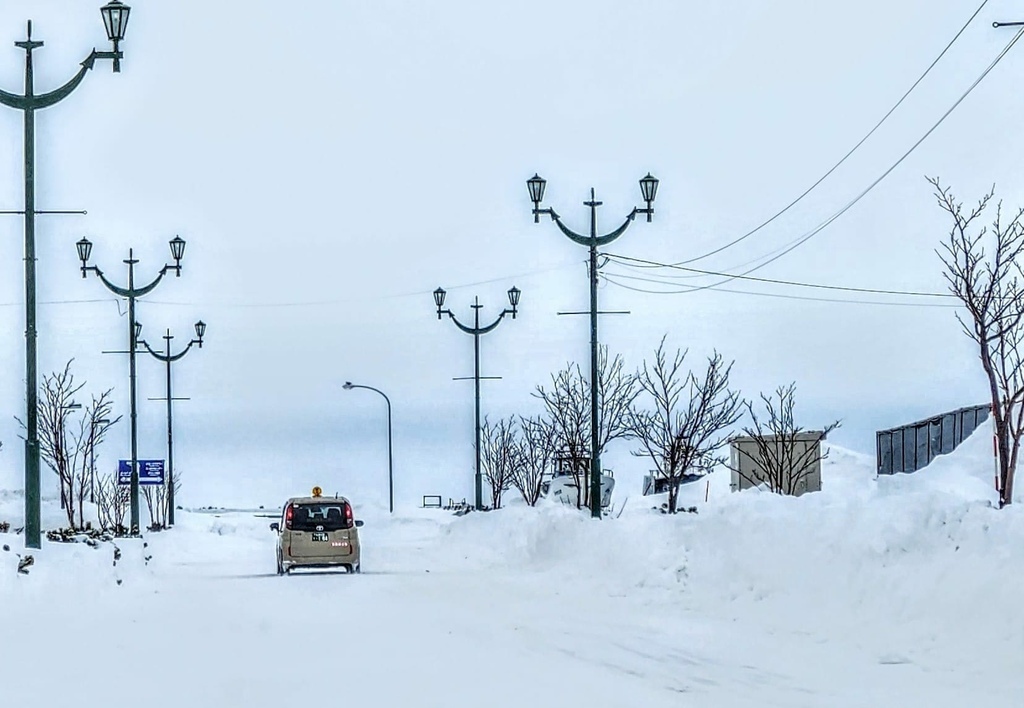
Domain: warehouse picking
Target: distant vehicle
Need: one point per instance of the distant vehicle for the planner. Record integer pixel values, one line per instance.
(317, 532)
(569, 474)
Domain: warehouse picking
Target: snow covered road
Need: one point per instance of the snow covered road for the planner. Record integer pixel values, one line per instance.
(889, 592)
(444, 615)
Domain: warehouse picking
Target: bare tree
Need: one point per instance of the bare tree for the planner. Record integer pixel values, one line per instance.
(55, 404)
(158, 502)
(990, 288)
(112, 501)
(782, 455)
(536, 456)
(92, 431)
(686, 425)
(567, 404)
(499, 456)
(66, 448)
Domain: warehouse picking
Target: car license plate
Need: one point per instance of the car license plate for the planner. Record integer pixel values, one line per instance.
(321, 536)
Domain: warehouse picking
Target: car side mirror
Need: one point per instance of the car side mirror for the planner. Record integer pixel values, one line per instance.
(359, 524)
(275, 526)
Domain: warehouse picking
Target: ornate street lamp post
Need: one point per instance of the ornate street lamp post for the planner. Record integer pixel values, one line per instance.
(391, 477)
(134, 330)
(648, 190)
(115, 19)
(476, 330)
(168, 359)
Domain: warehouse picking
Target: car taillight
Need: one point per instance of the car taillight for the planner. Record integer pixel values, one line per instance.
(288, 516)
(348, 516)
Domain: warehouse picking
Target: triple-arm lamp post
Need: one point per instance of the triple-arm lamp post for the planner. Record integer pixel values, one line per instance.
(115, 19)
(168, 359)
(134, 330)
(476, 330)
(648, 190)
(391, 477)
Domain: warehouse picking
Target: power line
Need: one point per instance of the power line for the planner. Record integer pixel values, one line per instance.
(874, 291)
(310, 303)
(787, 248)
(848, 154)
(612, 279)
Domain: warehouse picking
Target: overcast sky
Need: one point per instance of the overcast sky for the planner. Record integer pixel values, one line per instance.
(331, 163)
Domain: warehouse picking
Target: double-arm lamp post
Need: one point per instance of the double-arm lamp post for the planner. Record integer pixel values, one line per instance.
(391, 476)
(476, 330)
(169, 359)
(134, 330)
(648, 190)
(115, 19)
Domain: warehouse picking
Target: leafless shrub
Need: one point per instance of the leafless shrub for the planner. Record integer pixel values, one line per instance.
(536, 456)
(686, 424)
(567, 404)
(782, 457)
(499, 456)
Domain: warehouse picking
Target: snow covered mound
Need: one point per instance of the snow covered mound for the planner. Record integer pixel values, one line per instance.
(887, 592)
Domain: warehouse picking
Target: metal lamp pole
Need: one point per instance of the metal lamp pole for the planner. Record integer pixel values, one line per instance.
(115, 19)
(391, 476)
(476, 330)
(168, 359)
(648, 189)
(132, 293)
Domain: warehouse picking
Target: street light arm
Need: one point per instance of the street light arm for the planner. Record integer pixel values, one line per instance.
(14, 100)
(139, 292)
(48, 99)
(163, 357)
(116, 289)
(376, 390)
(600, 240)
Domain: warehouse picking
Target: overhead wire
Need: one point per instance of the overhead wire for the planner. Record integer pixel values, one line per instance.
(611, 279)
(619, 260)
(849, 153)
(308, 303)
(775, 255)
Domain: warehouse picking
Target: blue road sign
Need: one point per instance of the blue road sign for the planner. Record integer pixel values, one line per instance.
(150, 472)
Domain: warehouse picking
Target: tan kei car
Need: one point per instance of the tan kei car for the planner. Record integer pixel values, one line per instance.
(317, 532)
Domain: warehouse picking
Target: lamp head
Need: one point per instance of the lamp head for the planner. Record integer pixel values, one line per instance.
(115, 21)
(348, 386)
(513, 299)
(439, 296)
(177, 245)
(84, 247)
(536, 185)
(200, 331)
(649, 190)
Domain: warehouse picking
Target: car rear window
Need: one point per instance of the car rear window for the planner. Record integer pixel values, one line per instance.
(307, 517)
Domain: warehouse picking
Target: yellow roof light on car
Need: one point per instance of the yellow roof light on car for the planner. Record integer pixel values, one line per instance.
(317, 492)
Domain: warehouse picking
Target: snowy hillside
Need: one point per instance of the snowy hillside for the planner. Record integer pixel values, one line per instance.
(888, 592)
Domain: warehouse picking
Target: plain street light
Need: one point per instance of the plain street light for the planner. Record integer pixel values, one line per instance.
(391, 476)
(168, 359)
(115, 19)
(177, 245)
(648, 190)
(476, 330)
